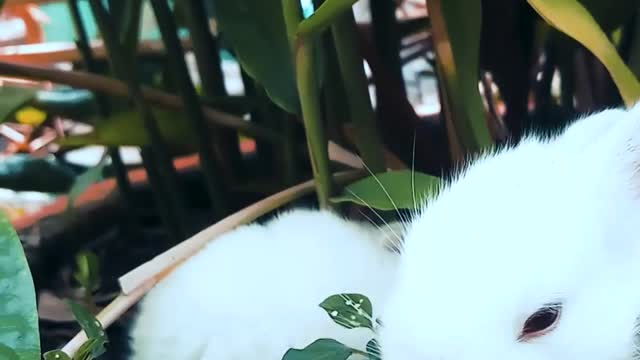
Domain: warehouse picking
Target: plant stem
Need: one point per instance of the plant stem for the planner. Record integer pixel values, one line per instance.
(357, 88)
(205, 47)
(207, 54)
(324, 16)
(387, 38)
(208, 162)
(82, 42)
(309, 95)
(159, 163)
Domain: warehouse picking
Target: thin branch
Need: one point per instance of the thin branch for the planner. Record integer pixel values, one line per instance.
(98, 83)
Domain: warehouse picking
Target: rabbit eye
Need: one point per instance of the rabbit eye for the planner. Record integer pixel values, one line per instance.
(541, 322)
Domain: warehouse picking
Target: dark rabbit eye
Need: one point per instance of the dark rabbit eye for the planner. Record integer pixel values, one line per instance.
(541, 322)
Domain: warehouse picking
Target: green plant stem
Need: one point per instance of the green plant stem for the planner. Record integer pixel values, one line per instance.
(324, 16)
(205, 47)
(309, 95)
(207, 54)
(357, 89)
(158, 162)
(82, 42)
(208, 162)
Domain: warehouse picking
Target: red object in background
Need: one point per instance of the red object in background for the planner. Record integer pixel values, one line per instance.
(31, 16)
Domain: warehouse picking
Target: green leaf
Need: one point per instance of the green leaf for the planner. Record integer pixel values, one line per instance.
(456, 32)
(373, 350)
(12, 98)
(7, 353)
(324, 16)
(573, 19)
(256, 30)
(84, 180)
(87, 271)
(349, 310)
(18, 314)
(56, 355)
(89, 350)
(395, 189)
(97, 338)
(126, 129)
(321, 349)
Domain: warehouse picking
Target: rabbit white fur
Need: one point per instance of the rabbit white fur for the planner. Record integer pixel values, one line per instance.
(548, 220)
(544, 221)
(254, 292)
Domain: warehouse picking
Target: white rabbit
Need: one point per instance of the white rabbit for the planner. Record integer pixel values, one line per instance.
(531, 253)
(255, 292)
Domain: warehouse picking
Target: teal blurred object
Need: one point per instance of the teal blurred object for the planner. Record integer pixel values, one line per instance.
(22, 172)
(60, 27)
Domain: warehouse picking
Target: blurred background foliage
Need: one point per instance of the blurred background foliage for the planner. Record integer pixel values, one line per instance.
(127, 126)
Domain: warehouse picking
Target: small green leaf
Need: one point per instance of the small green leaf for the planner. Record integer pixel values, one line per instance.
(373, 350)
(56, 355)
(90, 349)
(88, 322)
(403, 189)
(349, 310)
(12, 98)
(87, 272)
(321, 349)
(573, 19)
(97, 338)
(18, 315)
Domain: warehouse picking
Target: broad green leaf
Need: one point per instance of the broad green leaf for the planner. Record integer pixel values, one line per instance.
(56, 355)
(373, 349)
(256, 30)
(12, 98)
(456, 31)
(18, 314)
(321, 349)
(401, 189)
(97, 338)
(324, 16)
(349, 310)
(126, 129)
(573, 19)
(87, 272)
(7, 353)
(84, 180)
(22, 172)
